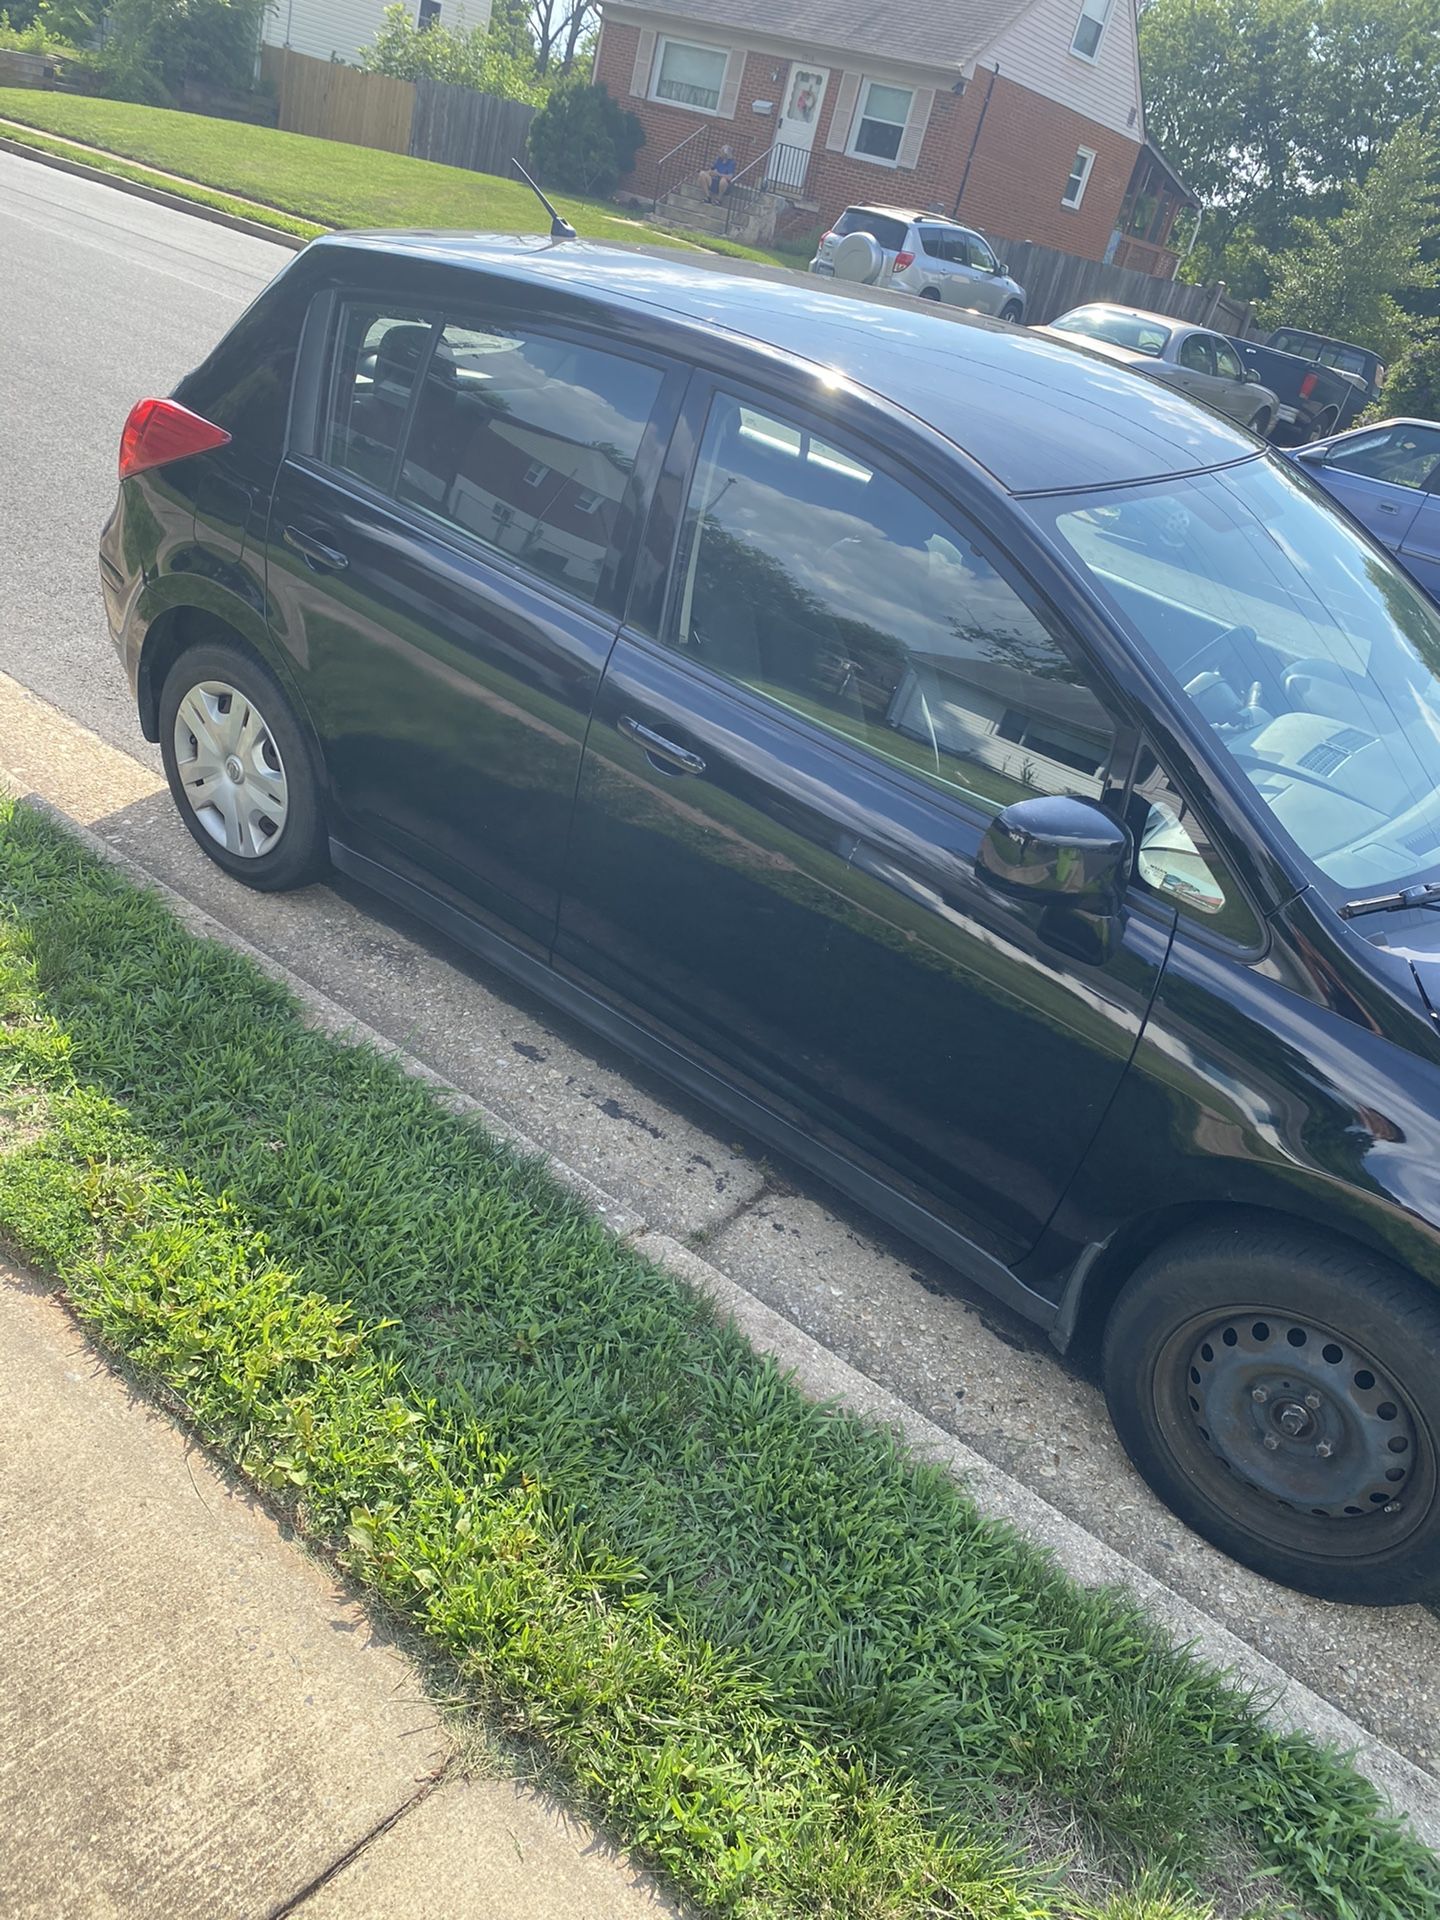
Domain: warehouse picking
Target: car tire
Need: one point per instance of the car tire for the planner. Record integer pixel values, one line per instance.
(1281, 1394)
(1013, 312)
(240, 770)
(1261, 423)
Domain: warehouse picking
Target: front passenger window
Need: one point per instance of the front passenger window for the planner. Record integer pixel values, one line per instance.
(1195, 354)
(839, 594)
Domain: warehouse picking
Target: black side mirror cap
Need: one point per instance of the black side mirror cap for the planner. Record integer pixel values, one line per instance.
(1066, 855)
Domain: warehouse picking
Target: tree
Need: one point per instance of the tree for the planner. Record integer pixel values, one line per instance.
(1273, 109)
(582, 140)
(1344, 276)
(1412, 387)
(491, 62)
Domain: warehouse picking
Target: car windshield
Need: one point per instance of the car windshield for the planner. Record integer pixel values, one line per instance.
(1120, 329)
(1310, 656)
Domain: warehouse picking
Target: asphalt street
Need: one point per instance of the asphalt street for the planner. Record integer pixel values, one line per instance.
(103, 299)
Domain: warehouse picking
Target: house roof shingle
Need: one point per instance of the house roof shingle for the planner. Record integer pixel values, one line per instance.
(929, 33)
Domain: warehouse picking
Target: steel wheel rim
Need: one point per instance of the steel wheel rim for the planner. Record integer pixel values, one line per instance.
(230, 769)
(1296, 1431)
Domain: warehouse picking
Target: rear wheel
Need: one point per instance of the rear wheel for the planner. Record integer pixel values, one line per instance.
(1012, 311)
(1282, 1395)
(240, 769)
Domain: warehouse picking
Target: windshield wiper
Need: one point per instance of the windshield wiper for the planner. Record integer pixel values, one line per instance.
(1425, 895)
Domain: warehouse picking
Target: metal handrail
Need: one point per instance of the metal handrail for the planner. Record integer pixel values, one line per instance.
(784, 169)
(664, 179)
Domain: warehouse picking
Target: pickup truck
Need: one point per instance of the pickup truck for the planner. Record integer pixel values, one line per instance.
(1321, 384)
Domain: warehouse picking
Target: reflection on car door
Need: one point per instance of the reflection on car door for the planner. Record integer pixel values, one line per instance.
(443, 574)
(1233, 394)
(782, 796)
(1420, 547)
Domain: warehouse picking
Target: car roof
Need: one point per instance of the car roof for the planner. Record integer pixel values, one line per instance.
(1037, 415)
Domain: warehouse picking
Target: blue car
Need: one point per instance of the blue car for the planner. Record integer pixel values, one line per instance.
(1388, 475)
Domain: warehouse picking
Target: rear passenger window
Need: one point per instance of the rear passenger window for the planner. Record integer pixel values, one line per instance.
(377, 357)
(528, 443)
(837, 593)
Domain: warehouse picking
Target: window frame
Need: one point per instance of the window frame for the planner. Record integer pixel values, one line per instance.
(657, 624)
(1102, 20)
(664, 40)
(858, 118)
(486, 309)
(1088, 155)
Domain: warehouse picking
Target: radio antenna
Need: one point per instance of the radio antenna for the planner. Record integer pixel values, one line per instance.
(560, 228)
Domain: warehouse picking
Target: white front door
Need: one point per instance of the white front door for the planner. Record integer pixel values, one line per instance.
(795, 130)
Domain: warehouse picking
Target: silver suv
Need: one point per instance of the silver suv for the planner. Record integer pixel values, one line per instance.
(924, 254)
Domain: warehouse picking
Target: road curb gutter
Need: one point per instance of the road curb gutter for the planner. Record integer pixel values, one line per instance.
(139, 190)
(1286, 1703)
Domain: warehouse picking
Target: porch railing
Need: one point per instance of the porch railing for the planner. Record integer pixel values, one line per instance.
(777, 169)
(682, 160)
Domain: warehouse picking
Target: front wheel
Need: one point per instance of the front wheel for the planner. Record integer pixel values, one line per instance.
(1012, 311)
(1261, 423)
(1282, 1395)
(239, 768)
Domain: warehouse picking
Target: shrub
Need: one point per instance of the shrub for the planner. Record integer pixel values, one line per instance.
(152, 47)
(581, 139)
(466, 57)
(1412, 387)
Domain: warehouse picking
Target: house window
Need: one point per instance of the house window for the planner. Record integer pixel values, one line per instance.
(691, 76)
(1079, 178)
(588, 501)
(880, 123)
(535, 473)
(1090, 28)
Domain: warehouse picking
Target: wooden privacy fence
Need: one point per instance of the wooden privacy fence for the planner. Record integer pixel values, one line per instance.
(427, 118)
(463, 128)
(336, 102)
(1054, 282)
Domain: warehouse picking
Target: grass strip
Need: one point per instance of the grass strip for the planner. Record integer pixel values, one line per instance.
(799, 1672)
(182, 190)
(316, 183)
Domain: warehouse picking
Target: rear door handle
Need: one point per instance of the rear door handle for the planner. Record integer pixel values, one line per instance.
(679, 759)
(314, 552)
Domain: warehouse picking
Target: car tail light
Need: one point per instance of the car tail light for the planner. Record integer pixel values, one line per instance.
(903, 260)
(158, 432)
(1308, 385)
(826, 238)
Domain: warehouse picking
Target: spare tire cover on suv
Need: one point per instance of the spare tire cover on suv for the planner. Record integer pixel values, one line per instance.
(859, 257)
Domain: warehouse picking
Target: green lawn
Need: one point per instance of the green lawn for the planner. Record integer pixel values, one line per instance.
(322, 181)
(801, 1675)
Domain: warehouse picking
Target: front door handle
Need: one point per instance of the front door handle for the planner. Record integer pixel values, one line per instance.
(1386, 506)
(677, 759)
(314, 552)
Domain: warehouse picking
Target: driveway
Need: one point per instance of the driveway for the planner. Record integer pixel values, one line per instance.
(108, 298)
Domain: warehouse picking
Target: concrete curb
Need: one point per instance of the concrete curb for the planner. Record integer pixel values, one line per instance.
(1287, 1704)
(176, 202)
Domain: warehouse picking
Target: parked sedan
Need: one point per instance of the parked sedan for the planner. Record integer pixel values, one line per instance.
(1388, 476)
(988, 778)
(1200, 362)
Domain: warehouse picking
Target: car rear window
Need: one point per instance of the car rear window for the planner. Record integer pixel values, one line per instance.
(1120, 329)
(887, 230)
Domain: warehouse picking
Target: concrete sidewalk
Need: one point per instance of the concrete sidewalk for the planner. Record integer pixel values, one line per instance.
(195, 1723)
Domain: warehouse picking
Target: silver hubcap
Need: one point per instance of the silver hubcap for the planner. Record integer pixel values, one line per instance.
(230, 769)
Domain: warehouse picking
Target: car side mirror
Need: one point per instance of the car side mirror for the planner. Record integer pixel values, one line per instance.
(1313, 456)
(1251, 377)
(1068, 857)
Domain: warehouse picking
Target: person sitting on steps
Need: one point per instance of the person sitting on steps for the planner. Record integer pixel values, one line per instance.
(720, 177)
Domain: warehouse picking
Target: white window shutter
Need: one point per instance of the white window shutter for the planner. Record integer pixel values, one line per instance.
(914, 135)
(848, 93)
(730, 86)
(644, 61)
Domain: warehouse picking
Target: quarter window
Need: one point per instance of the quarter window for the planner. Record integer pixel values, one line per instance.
(1178, 862)
(838, 594)
(689, 75)
(527, 443)
(1079, 178)
(1090, 28)
(880, 123)
(377, 357)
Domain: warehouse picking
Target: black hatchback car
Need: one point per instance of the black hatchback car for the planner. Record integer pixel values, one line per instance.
(994, 780)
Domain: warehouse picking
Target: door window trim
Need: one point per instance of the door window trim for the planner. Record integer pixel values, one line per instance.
(671, 499)
(319, 345)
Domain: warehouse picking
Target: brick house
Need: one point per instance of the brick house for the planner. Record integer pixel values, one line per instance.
(1022, 117)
